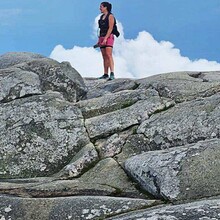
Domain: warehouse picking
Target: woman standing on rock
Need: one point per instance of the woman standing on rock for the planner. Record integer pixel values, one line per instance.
(106, 39)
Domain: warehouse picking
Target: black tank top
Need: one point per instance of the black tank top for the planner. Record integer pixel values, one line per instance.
(104, 25)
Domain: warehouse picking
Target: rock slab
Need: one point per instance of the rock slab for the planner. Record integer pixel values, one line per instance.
(183, 173)
(72, 208)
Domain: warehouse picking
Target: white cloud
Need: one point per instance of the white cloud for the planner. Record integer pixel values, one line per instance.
(134, 58)
(86, 60)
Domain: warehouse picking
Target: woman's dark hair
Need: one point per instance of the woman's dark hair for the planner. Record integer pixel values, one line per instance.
(108, 5)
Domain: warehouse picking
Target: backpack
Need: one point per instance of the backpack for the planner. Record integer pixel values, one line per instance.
(115, 30)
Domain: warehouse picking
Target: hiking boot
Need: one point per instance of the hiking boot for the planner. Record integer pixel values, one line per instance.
(104, 76)
(112, 76)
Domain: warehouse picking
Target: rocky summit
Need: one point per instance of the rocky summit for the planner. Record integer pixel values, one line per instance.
(84, 148)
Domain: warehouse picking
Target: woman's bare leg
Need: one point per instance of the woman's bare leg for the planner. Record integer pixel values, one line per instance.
(106, 62)
(108, 53)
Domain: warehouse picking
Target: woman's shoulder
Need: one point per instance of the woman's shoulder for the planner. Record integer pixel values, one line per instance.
(111, 15)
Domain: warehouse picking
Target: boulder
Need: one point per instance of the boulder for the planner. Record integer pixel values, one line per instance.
(110, 147)
(108, 173)
(202, 210)
(111, 102)
(181, 86)
(98, 88)
(72, 208)
(183, 173)
(27, 74)
(185, 123)
(80, 163)
(213, 76)
(114, 145)
(16, 83)
(134, 144)
(119, 120)
(69, 146)
(39, 135)
(12, 58)
(106, 178)
(57, 76)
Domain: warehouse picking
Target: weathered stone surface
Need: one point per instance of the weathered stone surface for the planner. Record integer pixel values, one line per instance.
(114, 145)
(75, 208)
(54, 188)
(202, 210)
(112, 102)
(12, 58)
(26, 74)
(185, 123)
(64, 188)
(97, 88)
(135, 144)
(16, 83)
(110, 147)
(119, 120)
(105, 178)
(213, 76)
(181, 86)
(108, 172)
(43, 133)
(83, 160)
(57, 76)
(39, 135)
(183, 173)
(19, 187)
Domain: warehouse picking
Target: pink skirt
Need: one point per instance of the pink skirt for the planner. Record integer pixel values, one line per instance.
(109, 43)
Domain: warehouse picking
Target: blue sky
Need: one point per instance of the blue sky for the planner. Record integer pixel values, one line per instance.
(40, 25)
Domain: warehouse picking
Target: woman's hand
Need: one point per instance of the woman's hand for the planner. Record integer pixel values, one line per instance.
(104, 41)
